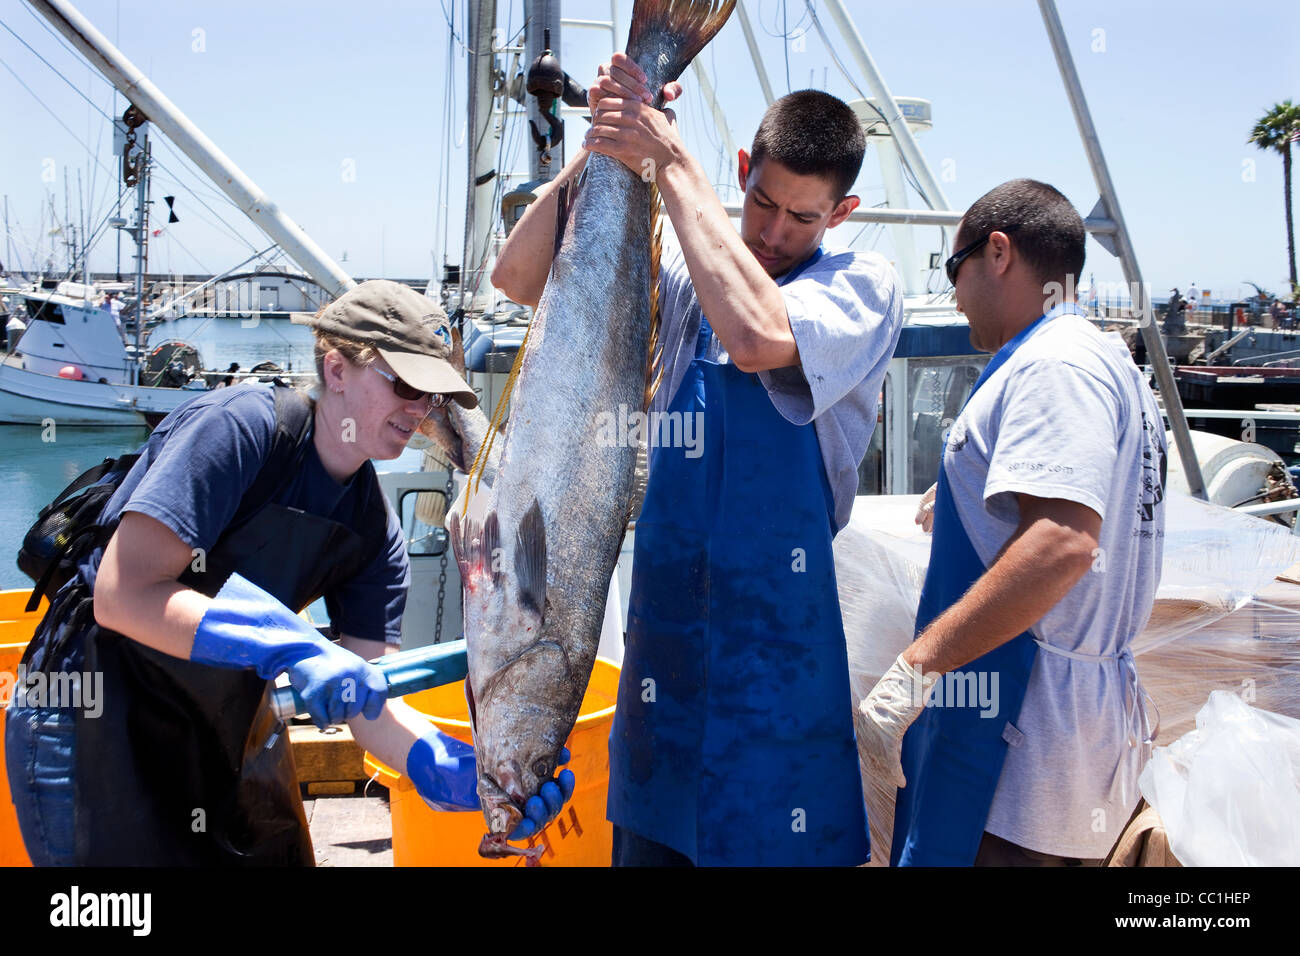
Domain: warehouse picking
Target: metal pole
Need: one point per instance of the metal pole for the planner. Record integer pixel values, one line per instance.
(885, 102)
(84, 252)
(1097, 225)
(719, 118)
(164, 114)
(141, 242)
(479, 187)
(1123, 247)
(750, 41)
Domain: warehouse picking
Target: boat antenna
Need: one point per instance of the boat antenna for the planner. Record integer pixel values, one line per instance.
(135, 172)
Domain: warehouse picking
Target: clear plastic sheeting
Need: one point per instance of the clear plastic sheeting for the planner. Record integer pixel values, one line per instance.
(1220, 622)
(1228, 792)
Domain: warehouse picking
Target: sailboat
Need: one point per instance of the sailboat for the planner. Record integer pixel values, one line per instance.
(84, 358)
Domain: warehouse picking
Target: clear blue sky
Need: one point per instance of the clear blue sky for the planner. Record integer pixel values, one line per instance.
(299, 93)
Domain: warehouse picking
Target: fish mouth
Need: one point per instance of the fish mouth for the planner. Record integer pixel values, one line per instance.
(437, 428)
(502, 806)
(502, 802)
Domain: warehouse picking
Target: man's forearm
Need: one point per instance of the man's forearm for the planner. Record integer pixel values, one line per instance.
(742, 303)
(525, 260)
(1036, 570)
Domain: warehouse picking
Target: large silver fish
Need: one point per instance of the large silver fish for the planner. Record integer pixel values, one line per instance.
(537, 569)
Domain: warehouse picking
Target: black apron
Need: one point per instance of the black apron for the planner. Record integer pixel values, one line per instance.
(187, 765)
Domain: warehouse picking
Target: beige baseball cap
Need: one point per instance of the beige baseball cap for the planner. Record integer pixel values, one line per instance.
(408, 329)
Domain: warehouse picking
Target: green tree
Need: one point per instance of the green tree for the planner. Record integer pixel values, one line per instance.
(1278, 129)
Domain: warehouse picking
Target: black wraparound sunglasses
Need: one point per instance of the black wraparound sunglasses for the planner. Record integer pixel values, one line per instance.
(412, 394)
(957, 258)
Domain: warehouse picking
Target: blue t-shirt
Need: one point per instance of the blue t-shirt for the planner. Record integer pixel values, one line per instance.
(201, 459)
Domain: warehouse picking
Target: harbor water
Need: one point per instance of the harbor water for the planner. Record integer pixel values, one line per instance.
(35, 465)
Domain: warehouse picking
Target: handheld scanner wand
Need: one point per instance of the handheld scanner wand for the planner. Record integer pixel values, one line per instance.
(406, 672)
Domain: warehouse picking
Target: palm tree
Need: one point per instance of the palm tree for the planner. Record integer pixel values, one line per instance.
(1277, 129)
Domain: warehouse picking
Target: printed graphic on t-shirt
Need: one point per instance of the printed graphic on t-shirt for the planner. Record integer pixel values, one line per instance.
(1155, 463)
(957, 436)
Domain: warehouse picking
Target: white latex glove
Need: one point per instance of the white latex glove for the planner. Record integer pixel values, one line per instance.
(925, 511)
(884, 715)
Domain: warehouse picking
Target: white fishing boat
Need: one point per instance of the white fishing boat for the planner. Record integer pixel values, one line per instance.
(75, 364)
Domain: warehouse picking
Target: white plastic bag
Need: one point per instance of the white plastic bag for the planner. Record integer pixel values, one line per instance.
(1229, 791)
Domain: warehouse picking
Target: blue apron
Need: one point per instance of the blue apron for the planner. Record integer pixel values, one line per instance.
(952, 757)
(732, 741)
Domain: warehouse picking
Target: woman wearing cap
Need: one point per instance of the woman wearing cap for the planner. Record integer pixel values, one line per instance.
(180, 622)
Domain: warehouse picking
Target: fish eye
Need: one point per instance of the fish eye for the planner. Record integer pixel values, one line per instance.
(542, 769)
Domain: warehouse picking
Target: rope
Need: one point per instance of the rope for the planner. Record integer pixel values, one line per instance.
(485, 450)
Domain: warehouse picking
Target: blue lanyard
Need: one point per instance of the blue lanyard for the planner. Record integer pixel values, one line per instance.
(706, 330)
(1007, 350)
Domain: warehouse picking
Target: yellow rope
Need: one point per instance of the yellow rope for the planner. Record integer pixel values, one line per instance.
(481, 459)
(654, 375)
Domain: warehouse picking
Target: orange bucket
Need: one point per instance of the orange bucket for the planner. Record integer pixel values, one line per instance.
(16, 629)
(579, 836)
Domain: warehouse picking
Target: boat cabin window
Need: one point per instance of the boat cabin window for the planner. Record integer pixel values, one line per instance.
(871, 472)
(422, 513)
(937, 388)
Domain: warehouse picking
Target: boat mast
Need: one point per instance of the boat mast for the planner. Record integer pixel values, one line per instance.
(481, 156)
(135, 172)
(1119, 244)
(542, 34)
(750, 41)
(164, 114)
(902, 136)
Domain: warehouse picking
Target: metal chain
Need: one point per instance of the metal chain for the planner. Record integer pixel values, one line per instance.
(442, 565)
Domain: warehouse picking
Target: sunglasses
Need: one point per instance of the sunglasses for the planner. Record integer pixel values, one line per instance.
(961, 255)
(411, 394)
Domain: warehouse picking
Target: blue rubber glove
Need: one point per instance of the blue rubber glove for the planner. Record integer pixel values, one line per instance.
(445, 774)
(245, 627)
(542, 809)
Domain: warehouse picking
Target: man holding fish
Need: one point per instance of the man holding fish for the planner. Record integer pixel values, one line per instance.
(732, 742)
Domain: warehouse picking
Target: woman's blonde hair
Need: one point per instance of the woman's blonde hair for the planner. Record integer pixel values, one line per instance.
(358, 353)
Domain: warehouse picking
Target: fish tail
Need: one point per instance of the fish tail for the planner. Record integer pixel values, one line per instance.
(666, 35)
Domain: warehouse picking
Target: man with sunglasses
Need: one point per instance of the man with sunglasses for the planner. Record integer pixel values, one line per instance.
(1015, 724)
(245, 505)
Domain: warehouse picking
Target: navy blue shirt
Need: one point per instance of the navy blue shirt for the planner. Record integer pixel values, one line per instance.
(201, 459)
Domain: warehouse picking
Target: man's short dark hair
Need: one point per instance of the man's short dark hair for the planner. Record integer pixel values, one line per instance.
(1042, 225)
(812, 133)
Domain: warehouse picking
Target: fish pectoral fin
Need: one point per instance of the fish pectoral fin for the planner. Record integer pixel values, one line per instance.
(490, 549)
(460, 533)
(530, 560)
(473, 710)
(477, 548)
(565, 201)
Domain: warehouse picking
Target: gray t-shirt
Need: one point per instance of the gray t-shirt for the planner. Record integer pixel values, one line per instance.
(1069, 416)
(846, 312)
